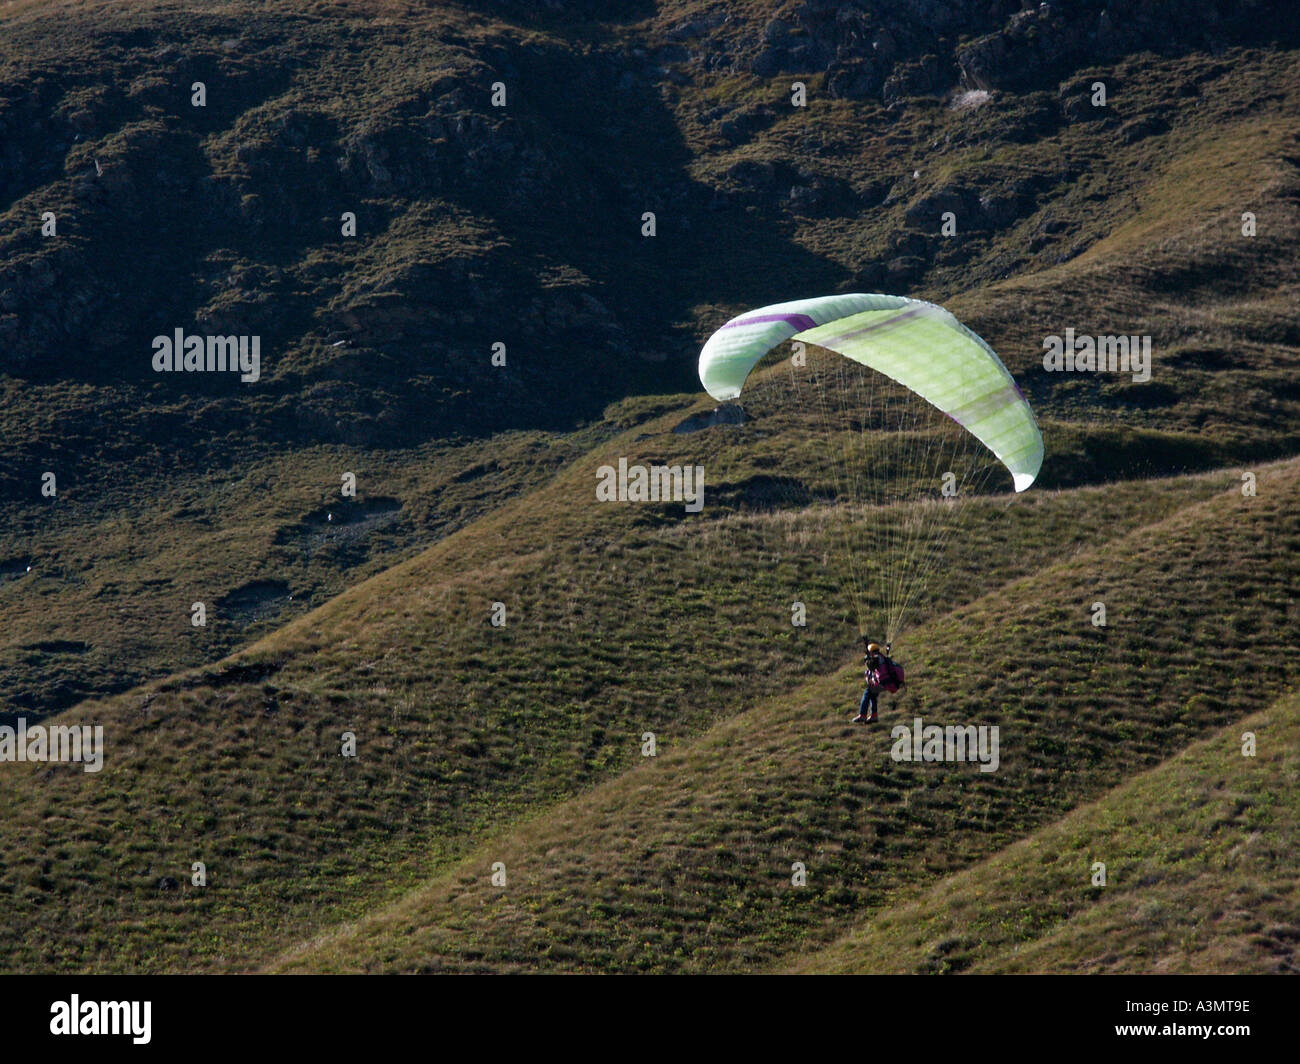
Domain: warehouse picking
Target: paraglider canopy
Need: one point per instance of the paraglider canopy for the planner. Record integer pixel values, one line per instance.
(918, 344)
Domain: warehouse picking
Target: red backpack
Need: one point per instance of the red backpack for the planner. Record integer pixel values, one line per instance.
(891, 675)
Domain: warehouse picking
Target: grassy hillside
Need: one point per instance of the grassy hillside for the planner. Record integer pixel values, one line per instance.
(683, 863)
(1201, 877)
(521, 224)
(614, 627)
(300, 836)
(97, 590)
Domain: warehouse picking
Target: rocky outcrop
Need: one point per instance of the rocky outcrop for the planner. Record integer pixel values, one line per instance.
(894, 51)
(971, 208)
(1039, 47)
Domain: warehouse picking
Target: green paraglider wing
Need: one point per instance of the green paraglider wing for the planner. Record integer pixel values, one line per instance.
(920, 345)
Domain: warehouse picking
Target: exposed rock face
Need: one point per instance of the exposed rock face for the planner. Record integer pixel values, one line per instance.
(1044, 44)
(855, 79)
(926, 213)
(440, 177)
(891, 51)
(925, 75)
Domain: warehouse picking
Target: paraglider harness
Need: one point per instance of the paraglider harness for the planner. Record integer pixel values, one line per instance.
(888, 673)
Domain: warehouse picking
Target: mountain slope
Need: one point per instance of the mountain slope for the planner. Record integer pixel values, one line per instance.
(1200, 878)
(683, 864)
(614, 626)
(522, 225)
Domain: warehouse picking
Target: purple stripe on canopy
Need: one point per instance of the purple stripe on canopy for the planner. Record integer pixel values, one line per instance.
(888, 323)
(798, 321)
(986, 405)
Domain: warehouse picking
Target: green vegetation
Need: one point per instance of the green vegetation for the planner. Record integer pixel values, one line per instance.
(683, 863)
(1200, 877)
